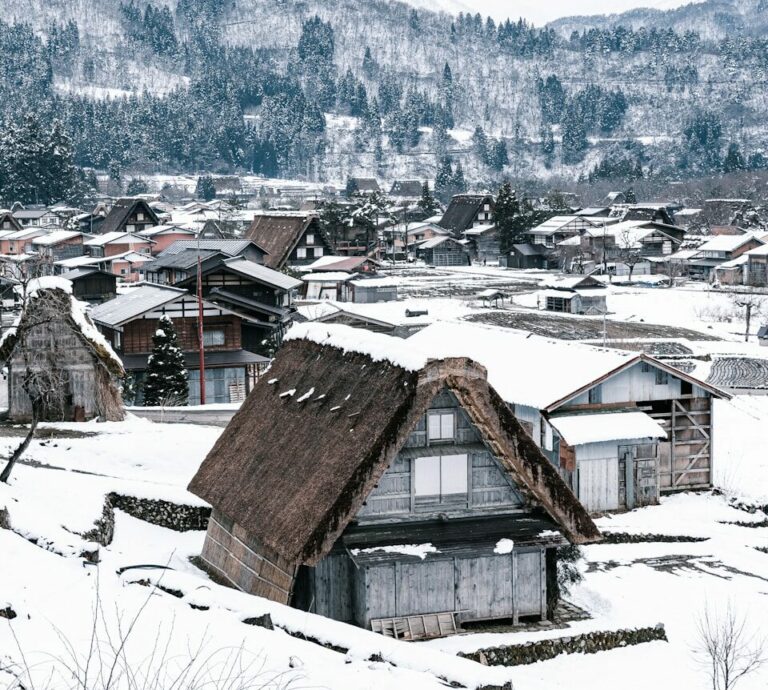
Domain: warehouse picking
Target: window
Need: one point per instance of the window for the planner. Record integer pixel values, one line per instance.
(440, 476)
(301, 253)
(139, 216)
(645, 367)
(662, 377)
(310, 239)
(686, 388)
(318, 252)
(123, 271)
(213, 337)
(441, 426)
(595, 395)
(130, 228)
(6, 223)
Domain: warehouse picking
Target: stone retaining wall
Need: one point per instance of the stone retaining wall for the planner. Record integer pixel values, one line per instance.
(589, 643)
(175, 516)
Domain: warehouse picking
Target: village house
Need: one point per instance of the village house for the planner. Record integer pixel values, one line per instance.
(130, 320)
(526, 256)
(128, 215)
(719, 250)
(757, 266)
(118, 242)
(37, 217)
(420, 505)
(20, 242)
(465, 211)
(406, 189)
(60, 244)
(364, 186)
(622, 427)
(397, 322)
(289, 238)
(55, 345)
(574, 295)
(658, 212)
(262, 296)
(484, 242)
(8, 223)
(554, 231)
(92, 284)
(164, 236)
(443, 250)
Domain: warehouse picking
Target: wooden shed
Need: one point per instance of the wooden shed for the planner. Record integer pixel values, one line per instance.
(365, 483)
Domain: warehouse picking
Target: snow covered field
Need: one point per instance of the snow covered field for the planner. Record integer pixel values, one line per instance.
(69, 610)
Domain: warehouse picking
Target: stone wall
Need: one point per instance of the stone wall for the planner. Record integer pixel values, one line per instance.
(175, 516)
(541, 650)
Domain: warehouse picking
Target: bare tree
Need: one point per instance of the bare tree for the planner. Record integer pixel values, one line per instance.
(629, 252)
(32, 342)
(752, 304)
(726, 649)
(673, 270)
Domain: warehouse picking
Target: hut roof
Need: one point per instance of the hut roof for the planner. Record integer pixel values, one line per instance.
(311, 441)
(122, 210)
(463, 210)
(279, 233)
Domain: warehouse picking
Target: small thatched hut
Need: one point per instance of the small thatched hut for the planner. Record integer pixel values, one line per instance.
(56, 357)
(366, 483)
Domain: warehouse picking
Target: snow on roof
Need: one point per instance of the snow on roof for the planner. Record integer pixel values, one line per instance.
(758, 251)
(580, 429)
(377, 346)
(55, 237)
(165, 229)
(116, 236)
(132, 304)
(725, 243)
(24, 233)
(479, 229)
(524, 369)
(326, 260)
(49, 283)
(733, 263)
(574, 241)
(262, 273)
(560, 294)
(549, 227)
(328, 277)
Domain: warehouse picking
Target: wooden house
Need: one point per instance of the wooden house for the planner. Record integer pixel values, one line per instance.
(128, 266)
(552, 232)
(118, 242)
(328, 285)
(60, 244)
(130, 320)
(484, 242)
(622, 428)
(574, 295)
(36, 217)
(399, 325)
(20, 242)
(645, 239)
(91, 284)
(289, 238)
(164, 236)
(465, 211)
(129, 215)
(443, 251)
(8, 222)
(56, 347)
(364, 186)
(251, 290)
(757, 266)
(419, 504)
(526, 256)
(406, 189)
(718, 250)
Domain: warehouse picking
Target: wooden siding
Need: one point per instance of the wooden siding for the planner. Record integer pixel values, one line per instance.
(488, 486)
(137, 335)
(505, 586)
(247, 565)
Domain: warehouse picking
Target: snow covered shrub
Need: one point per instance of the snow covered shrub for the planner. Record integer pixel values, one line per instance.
(166, 380)
(568, 573)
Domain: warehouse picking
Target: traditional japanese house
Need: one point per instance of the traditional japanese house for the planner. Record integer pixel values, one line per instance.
(574, 295)
(289, 238)
(757, 266)
(484, 242)
(420, 504)
(20, 242)
(130, 320)
(91, 284)
(443, 251)
(526, 256)
(254, 291)
(718, 250)
(128, 215)
(364, 186)
(8, 223)
(406, 189)
(113, 243)
(164, 236)
(60, 244)
(621, 427)
(72, 365)
(466, 211)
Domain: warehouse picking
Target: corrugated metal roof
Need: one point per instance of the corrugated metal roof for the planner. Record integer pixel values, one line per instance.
(228, 247)
(262, 273)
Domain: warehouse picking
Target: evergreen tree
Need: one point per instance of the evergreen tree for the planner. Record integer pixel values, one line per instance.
(575, 141)
(427, 203)
(498, 156)
(369, 64)
(165, 381)
(505, 212)
(137, 186)
(480, 145)
(547, 145)
(444, 179)
(734, 161)
(459, 183)
(205, 188)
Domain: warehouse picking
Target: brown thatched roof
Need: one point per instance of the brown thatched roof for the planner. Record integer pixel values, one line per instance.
(279, 233)
(316, 434)
(122, 210)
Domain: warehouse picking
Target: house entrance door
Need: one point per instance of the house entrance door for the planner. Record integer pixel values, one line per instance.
(638, 475)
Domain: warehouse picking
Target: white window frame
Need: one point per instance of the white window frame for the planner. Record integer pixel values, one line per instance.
(139, 216)
(301, 252)
(441, 425)
(210, 341)
(310, 239)
(318, 252)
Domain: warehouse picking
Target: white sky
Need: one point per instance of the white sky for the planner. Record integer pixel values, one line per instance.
(542, 11)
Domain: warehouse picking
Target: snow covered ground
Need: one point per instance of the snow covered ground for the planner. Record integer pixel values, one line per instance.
(178, 618)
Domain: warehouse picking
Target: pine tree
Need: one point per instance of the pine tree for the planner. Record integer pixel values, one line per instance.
(459, 183)
(480, 145)
(444, 179)
(137, 186)
(165, 381)
(734, 161)
(505, 211)
(205, 188)
(427, 202)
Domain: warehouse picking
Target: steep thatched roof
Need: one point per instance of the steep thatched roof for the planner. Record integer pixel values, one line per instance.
(279, 233)
(314, 437)
(122, 210)
(463, 210)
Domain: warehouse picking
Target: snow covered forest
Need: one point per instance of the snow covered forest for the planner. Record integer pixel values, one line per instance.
(324, 89)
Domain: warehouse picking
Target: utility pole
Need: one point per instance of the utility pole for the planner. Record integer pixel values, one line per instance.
(200, 312)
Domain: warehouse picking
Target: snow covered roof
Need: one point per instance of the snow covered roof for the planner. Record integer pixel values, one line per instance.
(758, 251)
(55, 237)
(580, 429)
(165, 230)
(551, 226)
(261, 273)
(327, 277)
(726, 243)
(733, 263)
(25, 233)
(479, 229)
(133, 304)
(116, 237)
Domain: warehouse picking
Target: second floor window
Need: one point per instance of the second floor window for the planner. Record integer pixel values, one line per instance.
(213, 337)
(310, 239)
(301, 253)
(441, 426)
(440, 477)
